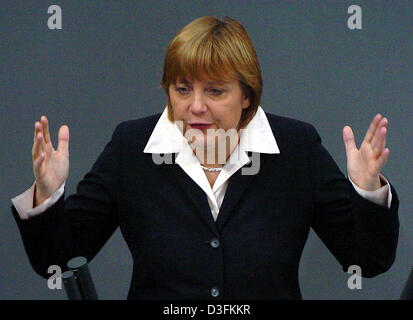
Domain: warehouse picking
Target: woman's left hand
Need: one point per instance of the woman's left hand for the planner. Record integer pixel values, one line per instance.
(364, 164)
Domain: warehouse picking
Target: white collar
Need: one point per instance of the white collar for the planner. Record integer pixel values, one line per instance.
(167, 138)
(257, 136)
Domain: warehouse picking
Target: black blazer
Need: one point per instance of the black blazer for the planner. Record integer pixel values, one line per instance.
(253, 249)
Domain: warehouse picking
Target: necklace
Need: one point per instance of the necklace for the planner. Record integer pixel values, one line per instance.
(211, 169)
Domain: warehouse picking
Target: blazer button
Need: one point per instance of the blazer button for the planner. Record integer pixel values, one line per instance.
(214, 292)
(214, 243)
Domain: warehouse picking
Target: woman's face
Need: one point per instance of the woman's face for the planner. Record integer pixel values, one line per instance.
(207, 106)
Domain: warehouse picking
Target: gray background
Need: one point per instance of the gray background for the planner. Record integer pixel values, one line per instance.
(105, 66)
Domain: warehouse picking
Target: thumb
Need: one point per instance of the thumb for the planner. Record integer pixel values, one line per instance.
(348, 138)
(63, 139)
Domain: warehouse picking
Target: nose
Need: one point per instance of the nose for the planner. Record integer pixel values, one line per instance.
(197, 103)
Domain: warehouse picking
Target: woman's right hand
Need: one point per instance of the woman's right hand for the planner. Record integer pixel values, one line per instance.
(50, 166)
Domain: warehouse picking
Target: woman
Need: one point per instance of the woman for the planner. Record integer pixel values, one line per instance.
(198, 223)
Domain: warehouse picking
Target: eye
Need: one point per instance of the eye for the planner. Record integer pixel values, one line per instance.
(216, 92)
(182, 90)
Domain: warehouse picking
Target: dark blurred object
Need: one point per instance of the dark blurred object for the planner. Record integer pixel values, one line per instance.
(78, 281)
(407, 293)
(71, 286)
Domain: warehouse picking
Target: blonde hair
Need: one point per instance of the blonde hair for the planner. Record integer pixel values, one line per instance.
(220, 50)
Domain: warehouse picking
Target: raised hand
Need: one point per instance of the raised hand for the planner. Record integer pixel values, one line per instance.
(50, 166)
(364, 164)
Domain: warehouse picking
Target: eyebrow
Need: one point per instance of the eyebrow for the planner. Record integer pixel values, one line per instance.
(185, 81)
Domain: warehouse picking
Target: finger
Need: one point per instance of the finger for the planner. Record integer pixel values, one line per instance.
(63, 137)
(46, 132)
(348, 138)
(382, 159)
(37, 129)
(37, 141)
(38, 146)
(372, 128)
(382, 123)
(379, 140)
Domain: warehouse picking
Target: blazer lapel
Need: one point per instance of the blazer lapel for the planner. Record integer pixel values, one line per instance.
(237, 185)
(192, 191)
